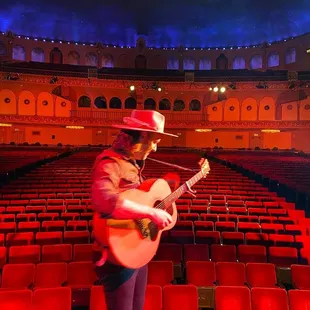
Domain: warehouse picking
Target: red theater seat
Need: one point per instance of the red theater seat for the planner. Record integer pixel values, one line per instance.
(82, 252)
(232, 238)
(18, 276)
(283, 256)
(52, 298)
(3, 255)
(16, 300)
(56, 253)
(301, 277)
(50, 275)
(153, 298)
(169, 252)
(81, 274)
(269, 298)
(230, 274)
(299, 299)
(261, 275)
(24, 254)
(252, 254)
(230, 297)
(200, 273)
(180, 297)
(196, 252)
(160, 273)
(223, 253)
(97, 298)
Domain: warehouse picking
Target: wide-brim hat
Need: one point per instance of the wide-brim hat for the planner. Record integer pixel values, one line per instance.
(145, 120)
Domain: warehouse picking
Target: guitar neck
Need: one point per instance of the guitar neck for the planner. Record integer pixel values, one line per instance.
(169, 200)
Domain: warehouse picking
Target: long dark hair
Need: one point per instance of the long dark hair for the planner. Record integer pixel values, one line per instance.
(126, 139)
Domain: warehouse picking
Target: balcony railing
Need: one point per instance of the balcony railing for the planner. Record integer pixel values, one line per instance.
(118, 115)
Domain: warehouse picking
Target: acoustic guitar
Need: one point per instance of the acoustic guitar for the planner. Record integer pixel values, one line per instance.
(133, 243)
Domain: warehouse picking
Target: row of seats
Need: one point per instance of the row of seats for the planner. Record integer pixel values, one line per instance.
(199, 273)
(281, 256)
(183, 297)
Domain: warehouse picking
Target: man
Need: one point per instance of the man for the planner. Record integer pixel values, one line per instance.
(116, 170)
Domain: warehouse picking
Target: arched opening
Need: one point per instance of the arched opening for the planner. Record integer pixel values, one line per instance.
(195, 105)
(130, 103)
(115, 103)
(56, 56)
(101, 102)
(164, 105)
(37, 54)
(178, 105)
(73, 58)
(19, 53)
(222, 62)
(84, 102)
(149, 104)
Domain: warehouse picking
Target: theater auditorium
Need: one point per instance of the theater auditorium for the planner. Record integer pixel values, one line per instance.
(233, 83)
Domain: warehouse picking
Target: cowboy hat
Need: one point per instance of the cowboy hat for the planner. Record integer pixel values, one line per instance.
(145, 120)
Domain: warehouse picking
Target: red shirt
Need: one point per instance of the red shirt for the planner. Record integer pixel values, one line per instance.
(113, 173)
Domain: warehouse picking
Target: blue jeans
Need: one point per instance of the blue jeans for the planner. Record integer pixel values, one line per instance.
(124, 288)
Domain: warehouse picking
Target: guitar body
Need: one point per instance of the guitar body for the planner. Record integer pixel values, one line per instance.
(133, 243)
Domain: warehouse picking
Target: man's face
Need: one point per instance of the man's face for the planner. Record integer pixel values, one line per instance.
(148, 143)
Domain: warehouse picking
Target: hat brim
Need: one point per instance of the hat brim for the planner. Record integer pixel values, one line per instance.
(127, 127)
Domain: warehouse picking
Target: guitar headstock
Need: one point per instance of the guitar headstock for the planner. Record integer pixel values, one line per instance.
(204, 166)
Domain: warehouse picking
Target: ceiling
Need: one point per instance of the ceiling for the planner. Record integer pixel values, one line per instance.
(163, 23)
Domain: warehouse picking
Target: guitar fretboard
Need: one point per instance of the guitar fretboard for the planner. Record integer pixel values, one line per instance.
(169, 200)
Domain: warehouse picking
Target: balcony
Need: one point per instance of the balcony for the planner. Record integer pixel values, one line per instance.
(117, 116)
(174, 120)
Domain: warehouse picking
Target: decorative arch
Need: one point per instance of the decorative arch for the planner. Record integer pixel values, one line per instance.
(8, 102)
(273, 60)
(19, 53)
(73, 58)
(290, 55)
(91, 60)
(249, 109)
(238, 63)
(3, 49)
(101, 102)
(84, 102)
(256, 62)
(115, 103)
(26, 103)
(267, 109)
(189, 63)
(205, 64)
(173, 63)
(215, 111)
(149, 104)
(232, 110)
(56, 56)
(37, 55)
(130, 103)
(45, 104)
(195, 105)
(164, 104)
(107, 61)
(289, 111)
(179, 105)
(222, 62)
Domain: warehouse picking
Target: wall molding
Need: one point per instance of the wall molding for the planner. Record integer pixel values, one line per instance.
(106, 122)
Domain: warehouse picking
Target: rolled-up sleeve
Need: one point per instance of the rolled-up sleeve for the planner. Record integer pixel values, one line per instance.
(105, 186)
